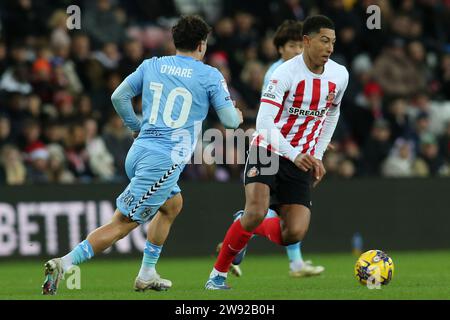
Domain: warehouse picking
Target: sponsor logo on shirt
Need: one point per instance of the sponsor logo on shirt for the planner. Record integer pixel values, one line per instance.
(302, 112)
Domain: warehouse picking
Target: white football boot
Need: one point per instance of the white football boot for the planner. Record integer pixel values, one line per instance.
(307, 270)
(156, 283)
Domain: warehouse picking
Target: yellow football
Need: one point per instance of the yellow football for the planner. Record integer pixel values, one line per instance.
(374, 267)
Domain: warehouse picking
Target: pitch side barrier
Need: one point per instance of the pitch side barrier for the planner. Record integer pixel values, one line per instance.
(393, 214)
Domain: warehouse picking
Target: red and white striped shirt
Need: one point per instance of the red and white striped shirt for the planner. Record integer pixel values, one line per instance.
(304, 108)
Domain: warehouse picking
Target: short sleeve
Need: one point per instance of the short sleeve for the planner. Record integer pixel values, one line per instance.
(218, 93)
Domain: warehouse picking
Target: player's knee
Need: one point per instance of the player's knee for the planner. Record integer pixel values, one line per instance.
(251, 219)
(257, 204)
(295, 233)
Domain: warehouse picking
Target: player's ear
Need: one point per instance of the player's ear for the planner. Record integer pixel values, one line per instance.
(306, 41)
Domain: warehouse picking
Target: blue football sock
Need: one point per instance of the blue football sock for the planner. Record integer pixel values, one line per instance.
(294, 252)
(151, 254)
(81, 253)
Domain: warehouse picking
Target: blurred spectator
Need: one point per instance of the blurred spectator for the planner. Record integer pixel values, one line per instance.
(64, 74)
(369, 108)
(148, 11)
(41, 75)
(444, 144)
(118, 141)
(109, 56)
(55, 132)
(12, 166)
(400, 161)
(103, 25)
(398, 119)
(223, 40)
(252, 78)
(429, 163)
(331, 161)
(38, 166)
(15, 79)
(3, 57)
(417, 54)
(134, 54)
(23, 20)
(346, 169)
(34, 107)
(377, 147)
(57, 170)
(64, 103)
(352, 153)
(77, 154)
(88, 69)
(59, 36)
(422, 127)
(30, 139)
(100, 160)
(395, 72)
(5, 130)
(444, 75)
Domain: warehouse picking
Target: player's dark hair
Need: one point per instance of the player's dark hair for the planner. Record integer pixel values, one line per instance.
(313, 24)
(189, 32)
(289, 30)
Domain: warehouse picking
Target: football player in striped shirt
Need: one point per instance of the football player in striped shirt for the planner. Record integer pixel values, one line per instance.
(298, 114)
(289, 43)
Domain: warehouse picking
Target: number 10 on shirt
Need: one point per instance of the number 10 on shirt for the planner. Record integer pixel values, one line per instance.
(169, 105)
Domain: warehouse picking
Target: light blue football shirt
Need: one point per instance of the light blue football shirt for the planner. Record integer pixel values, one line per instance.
(176, 94)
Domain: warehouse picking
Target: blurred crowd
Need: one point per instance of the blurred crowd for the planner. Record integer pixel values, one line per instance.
(57, 123)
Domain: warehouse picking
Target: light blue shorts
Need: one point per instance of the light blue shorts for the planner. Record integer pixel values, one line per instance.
(146, 167)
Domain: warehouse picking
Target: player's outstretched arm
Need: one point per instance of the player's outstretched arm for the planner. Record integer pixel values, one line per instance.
(121, 100)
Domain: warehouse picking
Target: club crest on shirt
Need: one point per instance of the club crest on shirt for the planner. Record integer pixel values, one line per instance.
(253, 172)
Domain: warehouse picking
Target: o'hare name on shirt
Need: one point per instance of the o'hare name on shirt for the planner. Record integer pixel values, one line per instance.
(176, 71)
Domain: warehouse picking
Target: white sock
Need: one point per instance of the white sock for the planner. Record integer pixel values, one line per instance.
(146, 273)
(215, 272)
(66, 262)
(296, 265)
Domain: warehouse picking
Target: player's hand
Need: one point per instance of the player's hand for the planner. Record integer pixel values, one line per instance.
(318, 173)
(135, 134)
(305, 162)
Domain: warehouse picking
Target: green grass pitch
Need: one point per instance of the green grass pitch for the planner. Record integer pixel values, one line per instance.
(418, 275)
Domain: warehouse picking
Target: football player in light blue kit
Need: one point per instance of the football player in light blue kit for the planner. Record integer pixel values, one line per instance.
(289, 43)
(177, 92)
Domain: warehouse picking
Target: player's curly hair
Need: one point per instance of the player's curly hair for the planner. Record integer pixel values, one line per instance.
(189, 32)
(289, 30)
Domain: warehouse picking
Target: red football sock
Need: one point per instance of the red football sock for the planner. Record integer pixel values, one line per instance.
(235, 240)
(271, 229)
